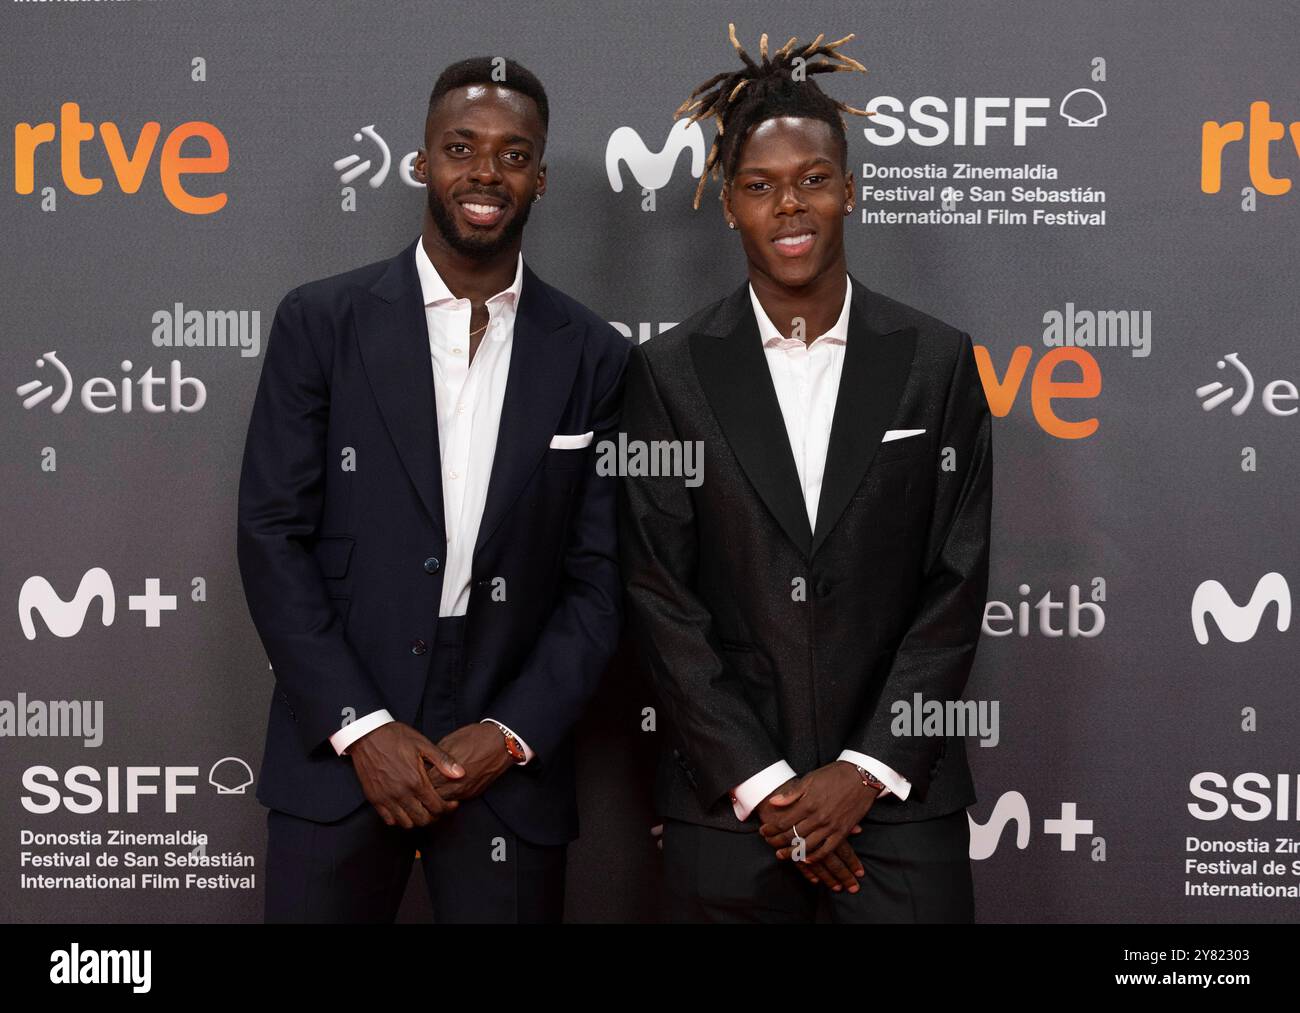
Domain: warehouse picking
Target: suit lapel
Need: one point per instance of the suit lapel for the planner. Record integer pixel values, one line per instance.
(732, 369)
(393, 336)
(544, 357)
(877, 361)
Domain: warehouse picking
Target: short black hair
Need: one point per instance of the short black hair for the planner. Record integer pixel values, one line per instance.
(488, 70)
(741, 99)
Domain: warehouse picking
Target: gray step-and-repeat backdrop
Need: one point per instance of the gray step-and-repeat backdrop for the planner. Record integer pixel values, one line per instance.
(1102, 194)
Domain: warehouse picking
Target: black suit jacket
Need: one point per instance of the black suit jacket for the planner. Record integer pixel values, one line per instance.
(342, 568)
(894, 574)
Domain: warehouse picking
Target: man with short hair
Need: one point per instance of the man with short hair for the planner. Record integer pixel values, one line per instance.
(427, 551)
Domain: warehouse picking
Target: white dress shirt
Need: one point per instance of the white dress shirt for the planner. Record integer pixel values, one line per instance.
(807, 382)
(468, 400)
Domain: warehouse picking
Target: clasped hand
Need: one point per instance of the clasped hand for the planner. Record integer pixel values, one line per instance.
(412, 782)
(825, 806)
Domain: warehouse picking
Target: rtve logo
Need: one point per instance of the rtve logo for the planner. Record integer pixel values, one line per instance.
(1263, 132)
(128, 169)
(1044, 387)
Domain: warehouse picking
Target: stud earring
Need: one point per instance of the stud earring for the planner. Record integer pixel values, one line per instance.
(731, 225)
(536, 197)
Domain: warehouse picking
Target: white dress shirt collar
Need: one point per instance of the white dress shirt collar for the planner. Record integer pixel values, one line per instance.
(435, 290)
(839, 331)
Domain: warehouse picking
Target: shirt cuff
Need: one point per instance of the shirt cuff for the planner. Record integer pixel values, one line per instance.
(528, 753)
(894, 781)
(349, 733)
(746, 796)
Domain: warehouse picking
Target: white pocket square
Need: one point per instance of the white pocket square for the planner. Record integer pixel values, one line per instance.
(575, 442)
(898, 434)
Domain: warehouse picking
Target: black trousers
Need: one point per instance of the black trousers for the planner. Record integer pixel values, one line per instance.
(915, 872)
(356, 869)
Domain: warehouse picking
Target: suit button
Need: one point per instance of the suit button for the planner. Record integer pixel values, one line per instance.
(418, 647)
(823, 588)
(431, 565)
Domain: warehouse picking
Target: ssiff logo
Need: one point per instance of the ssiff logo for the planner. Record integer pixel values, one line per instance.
(969, 120)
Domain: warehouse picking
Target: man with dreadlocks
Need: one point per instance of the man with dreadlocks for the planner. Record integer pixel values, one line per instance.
(834, 564)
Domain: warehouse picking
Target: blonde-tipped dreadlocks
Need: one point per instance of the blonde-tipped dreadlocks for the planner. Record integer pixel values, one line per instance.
(740, 99)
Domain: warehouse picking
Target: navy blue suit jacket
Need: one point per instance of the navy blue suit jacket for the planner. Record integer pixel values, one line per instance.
(340, 507)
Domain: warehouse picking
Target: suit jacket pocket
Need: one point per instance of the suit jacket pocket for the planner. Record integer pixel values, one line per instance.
(565, 460)
(900, 450)
(333, 553)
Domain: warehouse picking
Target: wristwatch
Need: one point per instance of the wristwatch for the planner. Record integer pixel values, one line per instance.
(870, 779)
(513, 746)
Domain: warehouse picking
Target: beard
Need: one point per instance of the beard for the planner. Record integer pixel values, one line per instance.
(475, 244)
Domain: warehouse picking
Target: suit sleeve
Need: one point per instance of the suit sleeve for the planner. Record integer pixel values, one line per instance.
(724, 739)
(543, 703)
(281, 494)
(936, 654)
